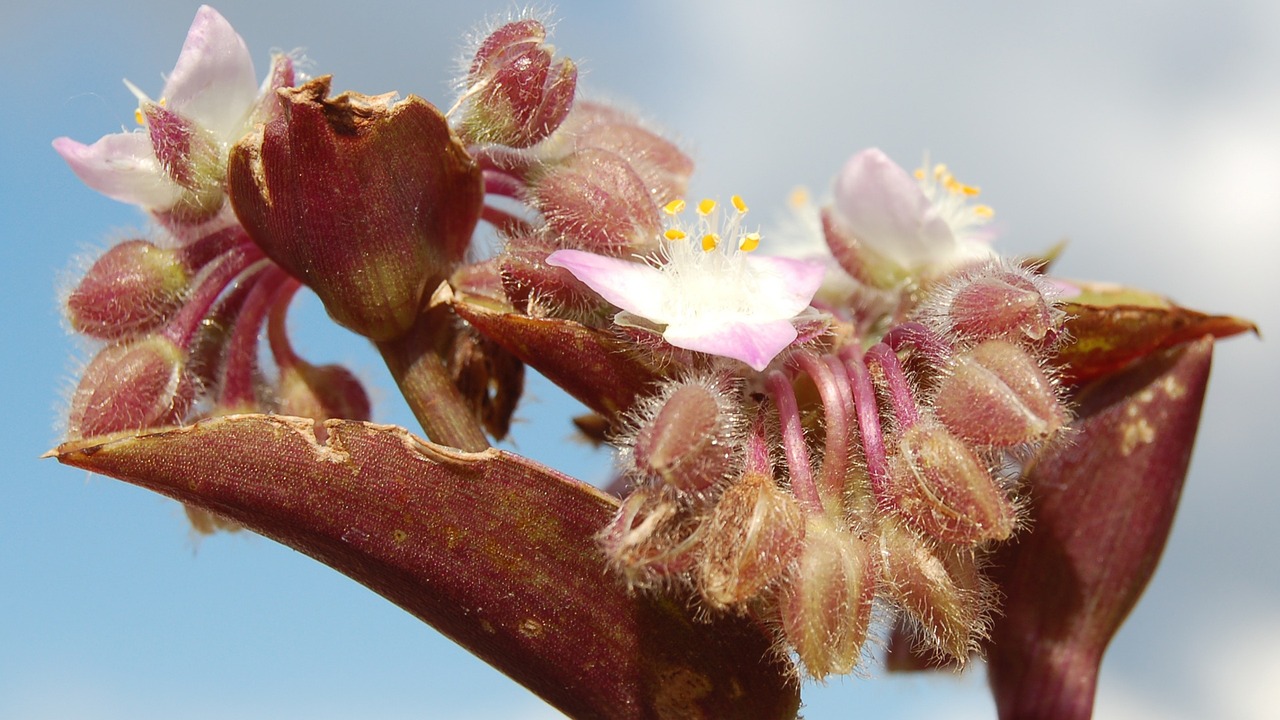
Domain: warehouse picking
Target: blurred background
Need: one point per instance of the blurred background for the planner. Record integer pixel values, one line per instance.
(1148, 134)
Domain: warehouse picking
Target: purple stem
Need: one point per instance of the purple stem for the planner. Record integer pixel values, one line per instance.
(864, 402)
(183, 327)
(793, 446)
(900, 397)
(508, 223)
(504, 184)
(837, 404)
(241, 359)
(919, 337)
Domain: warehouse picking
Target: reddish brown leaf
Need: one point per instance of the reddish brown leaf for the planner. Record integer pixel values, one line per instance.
(590, 364)
(493, 550)
(1102, 504)
(1108, 327)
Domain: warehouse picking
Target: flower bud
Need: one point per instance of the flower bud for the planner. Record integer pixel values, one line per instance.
(941, 590)
(997, 301)
(651, 539)
(996, 395)
(684, 436)
(132, 386)
(662, 166)
(132, 289)
(751, 536)
(942, 489)
(517, 95)
(370, 203)
(826, 610)
(322, 392)
(595, 201)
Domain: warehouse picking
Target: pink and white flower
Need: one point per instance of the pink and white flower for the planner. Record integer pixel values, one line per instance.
(706, 291)
(176, 163)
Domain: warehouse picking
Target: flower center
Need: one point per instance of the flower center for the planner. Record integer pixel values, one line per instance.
(704, 257)
(951, 199)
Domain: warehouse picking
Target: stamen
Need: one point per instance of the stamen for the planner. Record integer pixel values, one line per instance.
(983, 211)
(710, 241)
(675, 234)
(675, 207)
(799, 197)
(706, 207)
(919, 173)
(749, 242)
(738, 203)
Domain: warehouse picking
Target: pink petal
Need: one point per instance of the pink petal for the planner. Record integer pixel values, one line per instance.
(755, 344)
(633, 286)
(122, 167)
(789, 284)
(213, 82)
(883, 206)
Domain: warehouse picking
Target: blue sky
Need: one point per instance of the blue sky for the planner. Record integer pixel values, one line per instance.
(1149, 136)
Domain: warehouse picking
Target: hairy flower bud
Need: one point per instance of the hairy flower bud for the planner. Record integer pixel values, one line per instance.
(826, 609)
(661, 164)
(368, 202)
(941, 488)
(131, 289)
(685, 436)
(651, 539)
(751, 536)
(131, 386)
(517, 95)
(996, 395)
(995, 300)
(941, 590)
(595, 201)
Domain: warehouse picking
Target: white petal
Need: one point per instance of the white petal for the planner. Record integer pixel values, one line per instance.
(884, 208)
(123, 167)
(213, 82)
(786, 285)
(635, 287)
(755, 343)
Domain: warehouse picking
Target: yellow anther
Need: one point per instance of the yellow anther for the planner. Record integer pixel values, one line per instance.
(799, 197)
(970, 190)
(738, 203)
(983, 211)
(710, 241)
(939, 170)
(706, 207)
(675, 207)
(919, 173)
(749, 242)
(137, 116)
(675, 234)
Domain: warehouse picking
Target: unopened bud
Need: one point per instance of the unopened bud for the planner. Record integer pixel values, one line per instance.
(132, 386)
(595, 201)
(370, 203)
(322, 392)
(517, 95)
(750, 538)
(940, 589)
(661, 164)
(132, 289)
(826, 609)
(996, 395)
(685, 436)
(944, 490)
(651, 539)
(1000, 302)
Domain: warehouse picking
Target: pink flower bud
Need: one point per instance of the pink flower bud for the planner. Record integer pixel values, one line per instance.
(132, 289)
(517, 96)
(940, 487)
(661, 164)
(368, 202)
(132, 386)
(996, 395)
(751, 536)
(595, 201)
(826, 610)
(996, 301)
(686, 436)
(322, 392)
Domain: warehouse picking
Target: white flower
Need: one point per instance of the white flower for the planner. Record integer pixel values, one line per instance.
(707, 290)
(177, 162)
(923, 225)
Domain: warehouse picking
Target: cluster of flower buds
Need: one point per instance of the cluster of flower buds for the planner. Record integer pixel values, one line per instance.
(180, 314)
(863, 464)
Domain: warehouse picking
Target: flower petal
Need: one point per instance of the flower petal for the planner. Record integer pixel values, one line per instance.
(786, 285)
(635, 287)
(213, 82)
(754, 343)
(123, 167)
(884, 208)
